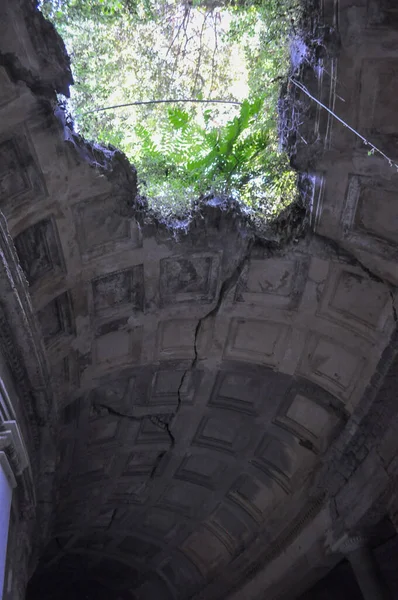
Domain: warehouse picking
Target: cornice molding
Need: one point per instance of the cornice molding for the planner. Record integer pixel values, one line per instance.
(22, 344)
(348, 543)
(8, 472)
(12, 443)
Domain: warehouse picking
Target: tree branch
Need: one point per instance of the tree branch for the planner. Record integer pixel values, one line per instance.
(213, 60)
(200, 50)
(182, 24)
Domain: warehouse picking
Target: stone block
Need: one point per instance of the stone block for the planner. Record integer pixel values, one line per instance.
(273, 282)
(332, 365)
(118, 289)
(225, 433)
(253, 496)
(189, 279)
(205, 550)
(21, 179)
(256, 341)
(342, 299)
(197, 468)
(39, 251)
(101, 228)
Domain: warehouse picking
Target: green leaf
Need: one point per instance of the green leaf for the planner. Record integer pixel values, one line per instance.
(178, 117)
(207, 115)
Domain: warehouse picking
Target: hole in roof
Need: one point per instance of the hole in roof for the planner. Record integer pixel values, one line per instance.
(188, 91)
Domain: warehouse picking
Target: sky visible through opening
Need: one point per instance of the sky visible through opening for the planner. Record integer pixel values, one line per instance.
(237, 87)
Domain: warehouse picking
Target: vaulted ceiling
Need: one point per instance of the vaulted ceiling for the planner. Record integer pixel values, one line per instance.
(199, 376)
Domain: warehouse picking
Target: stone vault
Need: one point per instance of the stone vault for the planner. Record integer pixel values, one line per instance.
(209, 412)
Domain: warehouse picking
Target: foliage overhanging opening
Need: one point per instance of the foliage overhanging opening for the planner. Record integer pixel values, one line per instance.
(131, 57)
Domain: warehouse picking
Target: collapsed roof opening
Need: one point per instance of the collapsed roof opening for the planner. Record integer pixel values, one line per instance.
(227, 58)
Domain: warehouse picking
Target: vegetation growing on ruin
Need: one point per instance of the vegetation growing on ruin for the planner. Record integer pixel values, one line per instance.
(132, 51)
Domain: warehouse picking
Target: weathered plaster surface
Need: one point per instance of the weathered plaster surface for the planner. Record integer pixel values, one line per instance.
(213, 408)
